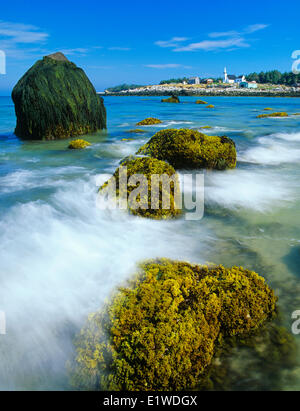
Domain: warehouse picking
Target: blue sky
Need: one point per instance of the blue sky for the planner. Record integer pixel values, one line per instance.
(144, 42)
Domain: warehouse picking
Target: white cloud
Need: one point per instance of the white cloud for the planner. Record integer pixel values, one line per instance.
(163, 66)
(174, 42)
(75, 51)
(215, 45)
(16, 33)
(223, 34)
(256, 27)
(119, 48)
(225, 40)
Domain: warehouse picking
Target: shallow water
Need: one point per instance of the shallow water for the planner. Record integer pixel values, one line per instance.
(61, 256)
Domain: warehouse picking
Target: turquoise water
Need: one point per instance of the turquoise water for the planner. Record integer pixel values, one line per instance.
(61, 256)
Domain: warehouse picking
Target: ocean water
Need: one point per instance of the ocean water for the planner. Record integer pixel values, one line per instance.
(61, 256)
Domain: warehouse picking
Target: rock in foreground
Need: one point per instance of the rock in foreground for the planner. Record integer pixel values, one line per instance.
(162, 331)
(55, 99)
(189, 149)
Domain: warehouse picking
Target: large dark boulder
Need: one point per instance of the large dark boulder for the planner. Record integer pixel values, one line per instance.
(55, 99)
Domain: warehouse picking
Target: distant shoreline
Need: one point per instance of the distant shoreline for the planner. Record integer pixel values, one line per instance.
(209, 93)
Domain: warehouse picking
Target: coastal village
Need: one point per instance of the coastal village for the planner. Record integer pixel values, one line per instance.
(229, 85)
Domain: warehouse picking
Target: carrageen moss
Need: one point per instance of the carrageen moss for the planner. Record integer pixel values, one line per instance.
(149, 121)
(190, 149)
(78, 144)
(161, 332)
(280, 114)
(160, 203)
(55, 99)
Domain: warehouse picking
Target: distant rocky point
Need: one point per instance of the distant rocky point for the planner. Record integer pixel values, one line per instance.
(55, 99)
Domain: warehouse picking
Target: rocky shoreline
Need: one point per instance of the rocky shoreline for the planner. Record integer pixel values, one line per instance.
(214, 92)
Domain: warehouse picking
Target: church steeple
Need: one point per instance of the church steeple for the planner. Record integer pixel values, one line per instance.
(225, 75)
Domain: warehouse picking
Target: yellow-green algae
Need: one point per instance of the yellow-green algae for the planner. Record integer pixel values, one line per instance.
(172, 99)
(78, 144)
(190, 149)
(136, 130)
(279, 114)
(161, 332)
(148, 167)
(149, 121)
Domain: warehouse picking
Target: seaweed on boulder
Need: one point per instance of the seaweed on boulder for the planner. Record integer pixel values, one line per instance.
(280, 114)
(148, 197)
(149, 121)
(173, 99)
(190, 149)
(55, 99)
(78, 144)
(162, 330)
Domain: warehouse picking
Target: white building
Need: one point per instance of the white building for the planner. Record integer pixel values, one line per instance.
(231, 79)
(194, 80)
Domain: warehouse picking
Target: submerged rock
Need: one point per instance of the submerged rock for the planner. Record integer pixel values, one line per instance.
(190, 149)
(137, 131)
(55, 99)
(149, 121)
(280, 114)
(78, 144)
(201, 102)
(172, 99)
(162, 331)
(162, 203)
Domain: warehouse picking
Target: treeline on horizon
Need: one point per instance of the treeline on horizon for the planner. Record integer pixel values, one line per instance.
(264, 77)
(273, 77)
(123, 87)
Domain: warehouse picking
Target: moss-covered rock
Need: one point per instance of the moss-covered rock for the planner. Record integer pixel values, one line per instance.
(190, 149)
(268, 109)
(161, 332)
(210, 106)
(173, 99)
(201, 102)
(162, 203)
(55, 99)
(78, 144)
(149, 121)
(205, 127)
(280, 114)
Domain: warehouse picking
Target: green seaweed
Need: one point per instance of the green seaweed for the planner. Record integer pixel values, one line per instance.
(55, 99)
